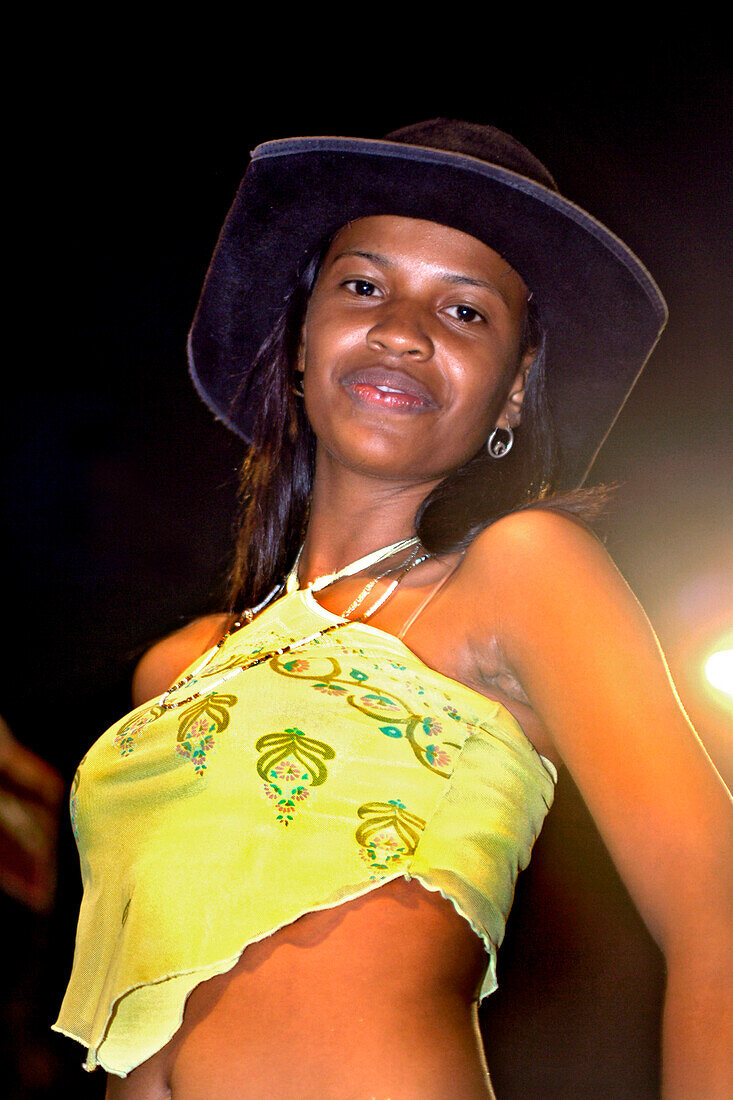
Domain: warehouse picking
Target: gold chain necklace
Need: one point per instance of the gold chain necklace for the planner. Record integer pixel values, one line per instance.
(163, 703)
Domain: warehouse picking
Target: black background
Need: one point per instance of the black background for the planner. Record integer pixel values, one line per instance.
(117, 488)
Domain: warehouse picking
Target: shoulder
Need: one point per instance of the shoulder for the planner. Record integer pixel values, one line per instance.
(551, 595)
(164, 662)
(536, 547)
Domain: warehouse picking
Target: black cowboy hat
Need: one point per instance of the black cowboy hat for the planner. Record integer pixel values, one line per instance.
(601, 310)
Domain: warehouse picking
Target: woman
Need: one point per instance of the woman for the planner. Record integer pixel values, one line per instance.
(300, 849)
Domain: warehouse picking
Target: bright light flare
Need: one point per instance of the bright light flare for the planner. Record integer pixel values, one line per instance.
(719, 670)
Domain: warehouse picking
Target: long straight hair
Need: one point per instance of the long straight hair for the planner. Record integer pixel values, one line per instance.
(277, 473)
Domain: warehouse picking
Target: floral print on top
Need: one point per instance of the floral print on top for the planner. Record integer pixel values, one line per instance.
(422, 733)
(295, 785)
(197, 726)
(388, 835)
(289, 763)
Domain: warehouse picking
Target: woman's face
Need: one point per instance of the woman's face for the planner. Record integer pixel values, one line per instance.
(410, 348)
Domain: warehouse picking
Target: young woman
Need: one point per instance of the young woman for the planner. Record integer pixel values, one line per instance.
(299, 851)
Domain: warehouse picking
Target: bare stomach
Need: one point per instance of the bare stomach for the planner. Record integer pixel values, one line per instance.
(373, 999)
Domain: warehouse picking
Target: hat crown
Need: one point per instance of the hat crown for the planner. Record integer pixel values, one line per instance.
(473, 139)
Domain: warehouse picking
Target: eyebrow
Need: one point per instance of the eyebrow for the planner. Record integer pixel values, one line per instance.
(452, 278)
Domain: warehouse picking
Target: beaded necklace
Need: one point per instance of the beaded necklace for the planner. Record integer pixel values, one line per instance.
(291, 585)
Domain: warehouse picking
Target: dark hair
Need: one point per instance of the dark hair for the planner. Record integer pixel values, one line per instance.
(277, 473)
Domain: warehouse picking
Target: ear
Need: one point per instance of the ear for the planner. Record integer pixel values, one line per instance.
(511, 413)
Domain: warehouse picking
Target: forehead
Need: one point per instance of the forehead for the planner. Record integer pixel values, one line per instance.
(428, 246)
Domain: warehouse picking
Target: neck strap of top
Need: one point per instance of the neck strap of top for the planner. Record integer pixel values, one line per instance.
(349, 570)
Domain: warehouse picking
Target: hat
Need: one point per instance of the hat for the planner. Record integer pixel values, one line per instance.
(601, 310)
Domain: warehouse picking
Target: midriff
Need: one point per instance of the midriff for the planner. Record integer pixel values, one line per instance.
(376, 998)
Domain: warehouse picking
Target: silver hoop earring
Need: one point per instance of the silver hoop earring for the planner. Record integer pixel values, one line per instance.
(500, 442)
(297, 387)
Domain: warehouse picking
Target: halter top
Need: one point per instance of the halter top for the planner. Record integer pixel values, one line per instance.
(296, 785)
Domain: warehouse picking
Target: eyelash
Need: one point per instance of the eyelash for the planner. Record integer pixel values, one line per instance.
(478, 316)
(362, 282)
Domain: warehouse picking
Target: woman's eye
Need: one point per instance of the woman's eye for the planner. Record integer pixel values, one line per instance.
(465, 313)
(361, 287)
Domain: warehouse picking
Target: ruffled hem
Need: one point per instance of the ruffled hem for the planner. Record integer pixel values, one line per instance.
(121, 1068)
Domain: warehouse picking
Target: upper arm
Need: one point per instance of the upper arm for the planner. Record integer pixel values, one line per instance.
(592, 668)
(164, 662)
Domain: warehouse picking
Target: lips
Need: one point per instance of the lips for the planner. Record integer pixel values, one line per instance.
(389, 388)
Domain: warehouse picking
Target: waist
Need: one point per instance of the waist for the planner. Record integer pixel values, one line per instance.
(371, 995)
(414, 1050)
(400, 938)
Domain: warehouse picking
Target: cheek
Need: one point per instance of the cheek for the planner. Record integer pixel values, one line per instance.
(326, 342)
(483, 391)
(469, 436)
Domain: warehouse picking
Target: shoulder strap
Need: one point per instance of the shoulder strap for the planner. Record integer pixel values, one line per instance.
(410, 621)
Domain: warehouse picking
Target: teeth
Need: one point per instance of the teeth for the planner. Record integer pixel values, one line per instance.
(386, 389)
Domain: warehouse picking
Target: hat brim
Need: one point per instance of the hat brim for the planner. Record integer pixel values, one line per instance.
(601, 310)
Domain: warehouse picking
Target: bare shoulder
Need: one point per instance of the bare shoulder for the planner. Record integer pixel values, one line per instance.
(164, 662)
(525, 553)
(552, 602)
(533, 531)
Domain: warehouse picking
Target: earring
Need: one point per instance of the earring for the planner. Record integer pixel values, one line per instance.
(297, 387)
(500, 442)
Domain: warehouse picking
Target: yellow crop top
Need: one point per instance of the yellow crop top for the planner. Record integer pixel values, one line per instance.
(300, 783)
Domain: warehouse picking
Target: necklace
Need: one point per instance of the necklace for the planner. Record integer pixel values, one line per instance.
(292, 584)
(410, 563)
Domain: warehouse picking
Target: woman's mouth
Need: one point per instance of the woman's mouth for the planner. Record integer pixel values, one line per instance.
(383, 388)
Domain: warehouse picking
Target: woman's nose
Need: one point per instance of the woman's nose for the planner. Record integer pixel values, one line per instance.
(400, 331)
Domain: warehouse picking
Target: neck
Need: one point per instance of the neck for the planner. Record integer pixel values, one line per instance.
(352, 515)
